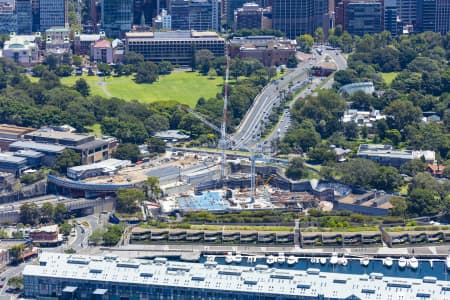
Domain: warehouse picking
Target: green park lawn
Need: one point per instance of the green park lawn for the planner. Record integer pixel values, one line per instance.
(183, 87)
(389, 77)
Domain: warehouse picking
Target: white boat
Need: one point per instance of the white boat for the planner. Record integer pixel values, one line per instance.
(323, 260)
(281, 259)
(210, 258)
(413, 263)
(291, 260)
(313, 260)
(251, 259)
(402, 262)
(447, 262)
(334, 258)
(229, 258)
(388, 262)
(270, 260)
(431, 263)
(237, 258)
(364, 261)
(343, 261)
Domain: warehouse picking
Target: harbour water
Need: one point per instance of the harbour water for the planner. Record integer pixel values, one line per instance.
(438, 270)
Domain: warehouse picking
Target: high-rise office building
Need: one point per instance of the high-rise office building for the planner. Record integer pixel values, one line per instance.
(8, 22)
(229, 6)
(442, 16)
(296, 17)
(35, 13)
(248, 16)
(360, 17)
(147, 7)
(200, 15)
(433, 15)
(179, 10)
(24, 17)
(163, 21)
(390, 16)
(117, 17)
(53, 13)
(407, 11)
(364, 17)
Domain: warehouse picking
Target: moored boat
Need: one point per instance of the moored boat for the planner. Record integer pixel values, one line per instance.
(388, 262)
(237, 258)
(270, 260)
(365, 261)
(334, 258)
(281, 259)
(323, 260)
(291, 260)
(343, 260)
(402, 262)
(229, 258)
(413, 263)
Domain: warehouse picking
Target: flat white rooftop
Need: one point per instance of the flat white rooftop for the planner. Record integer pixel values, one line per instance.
(311, 283)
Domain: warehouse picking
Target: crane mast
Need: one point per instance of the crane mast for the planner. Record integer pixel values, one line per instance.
(224, 140)
(223, 129)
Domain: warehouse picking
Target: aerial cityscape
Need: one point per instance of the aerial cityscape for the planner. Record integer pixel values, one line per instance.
(224, 149)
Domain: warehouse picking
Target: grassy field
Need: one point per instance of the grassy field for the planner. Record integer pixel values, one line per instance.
(184, 87)
(95, 129)
(389, 77)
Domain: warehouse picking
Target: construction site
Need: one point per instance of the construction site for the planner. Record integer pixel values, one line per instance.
(197, 180)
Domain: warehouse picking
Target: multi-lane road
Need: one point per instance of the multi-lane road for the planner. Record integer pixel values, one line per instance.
(250, 127)
(248, 134)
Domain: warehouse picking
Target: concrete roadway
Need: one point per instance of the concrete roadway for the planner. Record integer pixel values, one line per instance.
(282, 126)
(248, 132)
(262, 106)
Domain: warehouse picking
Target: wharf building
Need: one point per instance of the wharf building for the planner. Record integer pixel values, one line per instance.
(177, 47)
(82, 277)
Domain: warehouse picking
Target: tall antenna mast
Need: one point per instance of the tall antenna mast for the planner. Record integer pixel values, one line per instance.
(223, 129)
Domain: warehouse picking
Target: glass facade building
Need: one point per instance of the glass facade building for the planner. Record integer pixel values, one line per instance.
(52, 13)
(24, 17)
(296, 17)
(364, 18)
(117, 17)
(8, 21)
(200, 15)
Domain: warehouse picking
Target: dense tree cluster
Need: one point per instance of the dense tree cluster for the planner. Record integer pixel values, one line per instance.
(421, 84)
(314, 117)
(31, 214)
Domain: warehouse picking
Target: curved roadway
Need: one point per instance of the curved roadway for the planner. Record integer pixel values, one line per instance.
(247, 136)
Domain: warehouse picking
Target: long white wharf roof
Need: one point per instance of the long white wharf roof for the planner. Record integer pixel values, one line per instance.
(260, 279)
